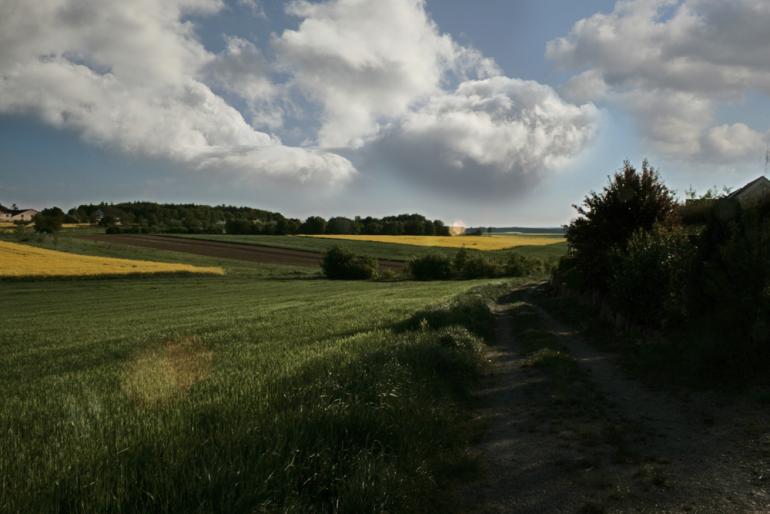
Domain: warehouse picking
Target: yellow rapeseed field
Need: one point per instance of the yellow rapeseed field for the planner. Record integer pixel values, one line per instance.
(18, 260)
(476, 242)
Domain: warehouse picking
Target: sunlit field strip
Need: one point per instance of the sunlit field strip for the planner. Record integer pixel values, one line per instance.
(19, 261)
(486, 243)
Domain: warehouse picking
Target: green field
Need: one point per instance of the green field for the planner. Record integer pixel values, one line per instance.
(372, 249)
(268, 389)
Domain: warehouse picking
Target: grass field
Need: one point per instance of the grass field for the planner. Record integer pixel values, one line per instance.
(21, 260)
(266, 389)
(388, 249)
(484, 243)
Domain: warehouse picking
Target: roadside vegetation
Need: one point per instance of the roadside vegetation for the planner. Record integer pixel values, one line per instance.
(260, 390)
(689, 288)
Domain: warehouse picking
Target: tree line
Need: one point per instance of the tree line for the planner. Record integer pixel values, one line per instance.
(204, 219)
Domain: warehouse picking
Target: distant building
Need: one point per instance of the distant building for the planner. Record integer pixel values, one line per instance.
(14, 215)
(752, 194)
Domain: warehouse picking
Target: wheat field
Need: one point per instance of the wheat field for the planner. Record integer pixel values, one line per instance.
(19, 261)
(486, 243)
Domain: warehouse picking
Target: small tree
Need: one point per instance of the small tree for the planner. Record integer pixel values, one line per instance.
(632, 201)
(49, 221)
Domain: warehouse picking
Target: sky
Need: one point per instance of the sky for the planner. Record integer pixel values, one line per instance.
(492, 112)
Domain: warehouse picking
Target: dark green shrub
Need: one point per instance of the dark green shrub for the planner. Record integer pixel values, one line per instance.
(49, 221)
(477, 266)
(517, 265)
(431, 267)
(633, 200)
(649, 276)
(728, 292)
(341, 264)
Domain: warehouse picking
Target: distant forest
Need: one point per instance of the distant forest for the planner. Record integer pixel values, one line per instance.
(518, 230)
(145, 217)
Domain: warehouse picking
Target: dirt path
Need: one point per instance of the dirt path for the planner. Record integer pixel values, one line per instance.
(640, 450)
(519, 461)
(239, 251)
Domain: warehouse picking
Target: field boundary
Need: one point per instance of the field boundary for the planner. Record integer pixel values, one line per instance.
(229, 250)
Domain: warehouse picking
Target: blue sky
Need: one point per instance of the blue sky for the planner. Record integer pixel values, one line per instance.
(493, 112)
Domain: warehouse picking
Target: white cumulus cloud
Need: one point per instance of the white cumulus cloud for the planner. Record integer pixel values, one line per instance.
(673, 64)
(369, 60)
(352, 78)
(406, 97)
(128, 74)
(494, 136)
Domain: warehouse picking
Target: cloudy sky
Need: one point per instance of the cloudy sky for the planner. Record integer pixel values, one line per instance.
(494, 112)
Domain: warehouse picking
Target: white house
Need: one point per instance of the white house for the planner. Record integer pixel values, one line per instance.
(14, 215)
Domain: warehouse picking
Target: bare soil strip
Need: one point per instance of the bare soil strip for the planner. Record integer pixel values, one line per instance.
(631, 449)
(244, 252)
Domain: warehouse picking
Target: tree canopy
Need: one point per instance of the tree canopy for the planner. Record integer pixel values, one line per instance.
(633, 200)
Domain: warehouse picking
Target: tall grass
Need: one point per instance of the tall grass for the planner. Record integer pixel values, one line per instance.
(258, 391)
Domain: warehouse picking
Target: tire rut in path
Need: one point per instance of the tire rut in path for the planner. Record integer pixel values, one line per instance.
(527, 467)
(519, 462)
(710, 468)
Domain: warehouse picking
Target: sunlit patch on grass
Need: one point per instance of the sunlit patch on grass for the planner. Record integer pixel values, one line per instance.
(159, 375)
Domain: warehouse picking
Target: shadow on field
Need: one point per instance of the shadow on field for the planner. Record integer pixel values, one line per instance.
(369, 421)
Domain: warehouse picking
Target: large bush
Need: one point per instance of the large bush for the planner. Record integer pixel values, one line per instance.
(470, 266)
(729, 289)
(649, 276)
(431, 267)
(517, 265)
(341, 264)
(633, 200)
